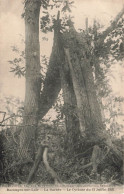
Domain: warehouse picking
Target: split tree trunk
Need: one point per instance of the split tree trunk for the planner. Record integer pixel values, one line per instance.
(82, 89)
(79, 89)
(33, 80)
(90, 119)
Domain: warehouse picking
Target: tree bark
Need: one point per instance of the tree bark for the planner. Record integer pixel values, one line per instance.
(33, 80)
(70, 110)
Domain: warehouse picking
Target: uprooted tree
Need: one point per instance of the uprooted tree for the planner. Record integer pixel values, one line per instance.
(73, 59)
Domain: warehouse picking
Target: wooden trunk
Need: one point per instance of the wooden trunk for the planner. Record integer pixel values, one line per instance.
(33, 80)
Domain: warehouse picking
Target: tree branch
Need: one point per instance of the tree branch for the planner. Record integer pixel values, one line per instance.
(3, 119)
(111, 27)
(49, 169)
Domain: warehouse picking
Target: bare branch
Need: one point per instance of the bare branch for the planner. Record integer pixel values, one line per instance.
(4, 114)
(49, 169)
(86, 165)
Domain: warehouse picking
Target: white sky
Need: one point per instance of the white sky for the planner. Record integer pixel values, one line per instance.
(11, 25)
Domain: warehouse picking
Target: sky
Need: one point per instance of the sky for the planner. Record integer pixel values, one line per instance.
(12, 29)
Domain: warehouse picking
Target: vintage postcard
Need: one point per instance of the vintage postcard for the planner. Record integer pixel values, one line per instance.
(61, 96)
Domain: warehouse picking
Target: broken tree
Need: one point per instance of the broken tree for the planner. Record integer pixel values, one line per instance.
(70, 69)
(82, 110)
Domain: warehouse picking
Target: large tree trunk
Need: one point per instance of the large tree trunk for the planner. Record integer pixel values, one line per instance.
(90, 119)
(79, 89)
(33, 80)
(82, 89)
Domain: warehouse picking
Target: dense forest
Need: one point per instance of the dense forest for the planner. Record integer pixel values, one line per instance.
(83, 144)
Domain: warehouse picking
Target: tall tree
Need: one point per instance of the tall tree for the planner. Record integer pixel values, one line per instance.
(36, 105)
(33, 79)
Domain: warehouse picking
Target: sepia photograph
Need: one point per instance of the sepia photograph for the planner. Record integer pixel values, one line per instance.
(61, 96)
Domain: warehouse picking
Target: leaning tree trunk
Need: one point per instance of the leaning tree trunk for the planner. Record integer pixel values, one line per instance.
(33, 80)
